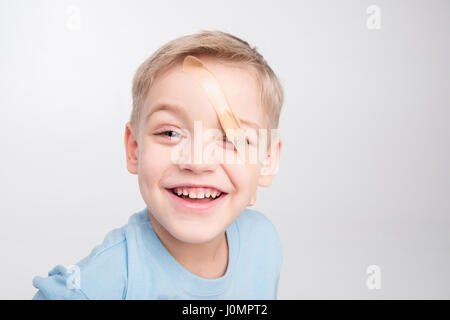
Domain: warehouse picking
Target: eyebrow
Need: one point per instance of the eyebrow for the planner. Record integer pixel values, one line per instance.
(249, 123)
(172, 108)
(175, 109)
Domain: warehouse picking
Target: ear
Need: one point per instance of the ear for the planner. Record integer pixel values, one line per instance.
(131, 149)
(270, 164)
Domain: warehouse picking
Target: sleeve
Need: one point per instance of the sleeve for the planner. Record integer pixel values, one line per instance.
(101, 275)
(61, 284)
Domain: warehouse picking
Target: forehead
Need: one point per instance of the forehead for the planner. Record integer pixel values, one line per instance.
(239, 84)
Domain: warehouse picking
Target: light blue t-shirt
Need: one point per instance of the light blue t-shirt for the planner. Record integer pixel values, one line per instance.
(132, 263)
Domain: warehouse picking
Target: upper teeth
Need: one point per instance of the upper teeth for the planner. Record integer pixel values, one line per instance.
(199, 193)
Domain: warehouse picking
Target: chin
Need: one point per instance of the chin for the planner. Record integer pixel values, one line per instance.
(195, 234)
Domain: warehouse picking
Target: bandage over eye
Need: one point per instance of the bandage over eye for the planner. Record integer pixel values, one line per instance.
(229, 122)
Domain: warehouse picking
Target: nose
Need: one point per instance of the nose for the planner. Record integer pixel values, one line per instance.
(198, 160)
(197, 167)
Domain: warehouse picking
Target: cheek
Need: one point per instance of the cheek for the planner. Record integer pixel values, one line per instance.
(153, 161)
(244, 177)
(253, 173)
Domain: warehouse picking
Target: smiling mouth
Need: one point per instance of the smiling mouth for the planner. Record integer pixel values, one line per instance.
(202, 195)
(198, 198)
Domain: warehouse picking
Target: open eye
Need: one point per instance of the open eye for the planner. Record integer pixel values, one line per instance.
(170, 134)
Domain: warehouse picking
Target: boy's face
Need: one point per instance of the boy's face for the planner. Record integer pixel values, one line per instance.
(164, 166)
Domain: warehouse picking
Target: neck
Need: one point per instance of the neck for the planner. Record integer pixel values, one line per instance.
(207, 260)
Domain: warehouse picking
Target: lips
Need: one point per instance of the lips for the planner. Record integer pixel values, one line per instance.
(197, 192)
(195, 198)
(185, 184)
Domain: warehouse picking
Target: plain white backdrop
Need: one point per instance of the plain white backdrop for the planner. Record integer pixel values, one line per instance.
(364, 177)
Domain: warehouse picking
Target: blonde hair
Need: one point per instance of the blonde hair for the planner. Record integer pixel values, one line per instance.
(217, 44)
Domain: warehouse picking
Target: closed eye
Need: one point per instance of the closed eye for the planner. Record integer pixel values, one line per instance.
(247, 140)
(230, 145)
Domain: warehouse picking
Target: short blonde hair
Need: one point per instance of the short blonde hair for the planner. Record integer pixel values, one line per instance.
(217, 44)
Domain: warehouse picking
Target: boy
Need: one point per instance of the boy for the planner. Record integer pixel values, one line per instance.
(195, 239)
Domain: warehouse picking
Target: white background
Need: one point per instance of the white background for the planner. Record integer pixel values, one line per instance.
(364, 177)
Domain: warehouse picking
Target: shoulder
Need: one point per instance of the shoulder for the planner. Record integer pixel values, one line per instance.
(103, 274)
(259, 233)
(252, 222)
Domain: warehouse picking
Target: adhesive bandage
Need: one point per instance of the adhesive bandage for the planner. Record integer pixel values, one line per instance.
(229, 122)
(211, 87)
